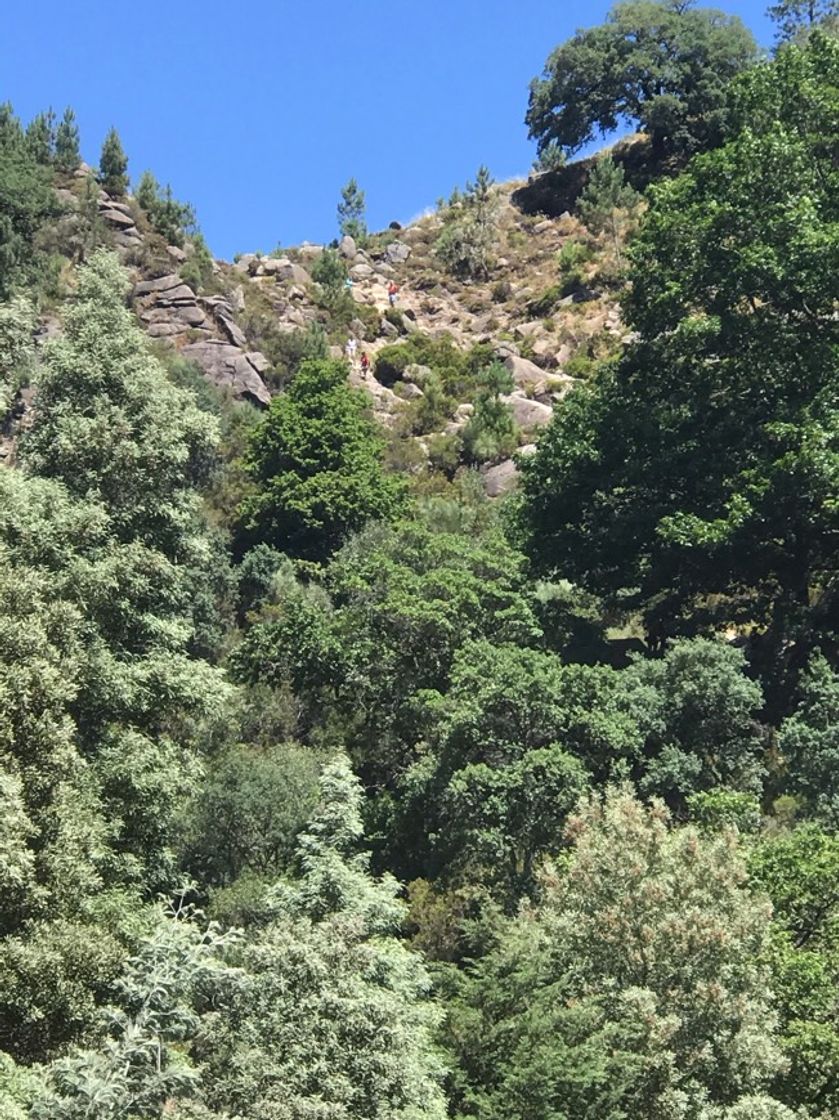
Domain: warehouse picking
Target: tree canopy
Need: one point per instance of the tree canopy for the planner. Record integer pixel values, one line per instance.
(595, 1004)
(333, 788)
(316, 462)
(662, 65)
(696, 478)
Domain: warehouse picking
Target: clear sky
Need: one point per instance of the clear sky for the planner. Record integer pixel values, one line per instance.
(257, 112)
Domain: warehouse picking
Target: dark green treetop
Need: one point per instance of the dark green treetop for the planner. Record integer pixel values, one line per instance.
(661, 64)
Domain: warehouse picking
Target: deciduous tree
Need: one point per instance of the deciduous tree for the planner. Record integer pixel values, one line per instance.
(661, 64)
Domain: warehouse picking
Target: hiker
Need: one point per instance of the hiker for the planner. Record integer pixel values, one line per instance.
(348, 284)
(365, 363)
(392, 293)
(351, 348)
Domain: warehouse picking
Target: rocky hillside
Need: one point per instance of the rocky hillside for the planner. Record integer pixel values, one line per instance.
(546, 307)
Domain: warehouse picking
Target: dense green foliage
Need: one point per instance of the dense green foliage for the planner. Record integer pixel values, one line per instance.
(316, 463)
(103, 708)
(635, 989)
(26, 202)
(333, 793)
(661, 64)
(696, 481)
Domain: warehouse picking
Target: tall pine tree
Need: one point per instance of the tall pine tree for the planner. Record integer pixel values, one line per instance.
(113, 165)
(67, 156)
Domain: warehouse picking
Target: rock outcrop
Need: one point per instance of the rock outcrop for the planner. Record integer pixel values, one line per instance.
(229, 368)
(515, 310)
(205, 331)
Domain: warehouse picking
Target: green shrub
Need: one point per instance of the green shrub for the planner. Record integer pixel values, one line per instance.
(572, 282)
(580, 365)
(197, 270)
(572, 255)
(444, 452)
(545, 303)
(465, 245)
(457, 370)
(329, 273)
(173, 220)
(429, 412)
(502, 290)
(491, 433)
(395, 317)
(367, 314)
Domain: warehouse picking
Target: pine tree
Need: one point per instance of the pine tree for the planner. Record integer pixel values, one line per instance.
(351, 221)
(797, 18)
(113, 165)
(11, 130)
(147, 192)
(604, 197)
(465, 245)
(491, 431)
(67, 157)
(40, 138)
(478, 193)
(26, 201)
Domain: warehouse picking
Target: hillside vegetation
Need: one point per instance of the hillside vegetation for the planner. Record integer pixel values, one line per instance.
(419, 654)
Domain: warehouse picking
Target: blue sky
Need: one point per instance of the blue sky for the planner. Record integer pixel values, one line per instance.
(258, 112)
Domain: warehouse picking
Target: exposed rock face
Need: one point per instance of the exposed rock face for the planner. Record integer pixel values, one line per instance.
(528, 413)
(294, 272)
(160, 284)
(279, 268)
(524, 372)
(460, 419)
(206, 332)
(397, 252)
(168, 307)
(229, 368)
(278, 294)
(120, 218)
(500, 478)
(117, 218)
(384, 400)
(222, 314)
